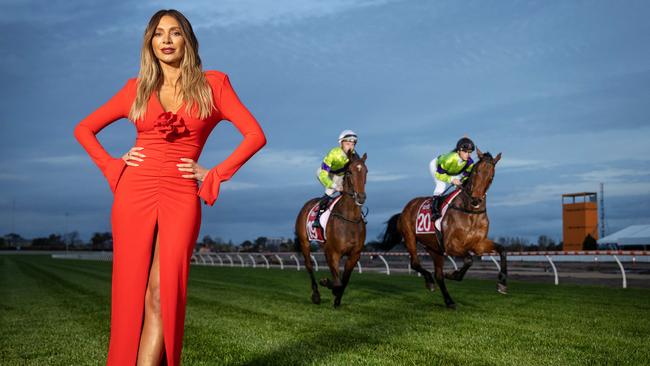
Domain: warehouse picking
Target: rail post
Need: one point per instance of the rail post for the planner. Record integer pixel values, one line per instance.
(453, 262)
(315, 262)
(241, 260)
(281, 262)
(620, 265)
(554, 269)
(265, 260)
(232, 264)
(495, 263)
(297, 262)
(385, 264)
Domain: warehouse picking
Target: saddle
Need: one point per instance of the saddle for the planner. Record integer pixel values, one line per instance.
(315, 234)
(423, 223)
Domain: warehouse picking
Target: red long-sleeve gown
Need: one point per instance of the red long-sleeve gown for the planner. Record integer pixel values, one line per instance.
(155, 195)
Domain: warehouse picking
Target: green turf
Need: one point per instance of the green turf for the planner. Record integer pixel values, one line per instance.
(56, 312)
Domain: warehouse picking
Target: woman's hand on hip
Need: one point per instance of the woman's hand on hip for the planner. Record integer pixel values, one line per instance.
(133, 155)
(189, 165)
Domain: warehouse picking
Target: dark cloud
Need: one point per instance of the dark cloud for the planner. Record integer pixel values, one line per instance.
(560, 88)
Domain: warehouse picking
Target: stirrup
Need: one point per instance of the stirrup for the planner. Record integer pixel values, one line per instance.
(316, 224)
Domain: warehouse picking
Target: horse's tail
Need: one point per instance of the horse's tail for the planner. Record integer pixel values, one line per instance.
(392, 235)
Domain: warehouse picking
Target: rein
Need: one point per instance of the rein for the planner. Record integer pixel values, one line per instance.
(354, 195)
(467, 194)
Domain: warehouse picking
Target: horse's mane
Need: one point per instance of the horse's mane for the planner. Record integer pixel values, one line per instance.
(354, 156)
(487, 156)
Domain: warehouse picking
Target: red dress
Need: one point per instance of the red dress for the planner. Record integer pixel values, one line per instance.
(155, 194)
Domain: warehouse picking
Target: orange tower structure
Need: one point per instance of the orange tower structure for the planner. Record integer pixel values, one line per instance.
(579, 219)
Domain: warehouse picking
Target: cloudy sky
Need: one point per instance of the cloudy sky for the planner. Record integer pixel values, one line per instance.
(561, 88)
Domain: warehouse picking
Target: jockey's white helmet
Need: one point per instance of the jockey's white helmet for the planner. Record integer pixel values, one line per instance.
(348, 135)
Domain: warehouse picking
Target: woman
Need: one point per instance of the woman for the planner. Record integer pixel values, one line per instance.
(452, 168)
(156, 213)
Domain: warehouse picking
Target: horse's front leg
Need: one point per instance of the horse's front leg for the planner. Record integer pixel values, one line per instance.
(458, 274)
(438, 263)
(411, 245)
(350, 263)
(333, 258)
(488, 246)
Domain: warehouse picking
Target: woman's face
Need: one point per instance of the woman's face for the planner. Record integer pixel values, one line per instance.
(167, 42)
(347, 146)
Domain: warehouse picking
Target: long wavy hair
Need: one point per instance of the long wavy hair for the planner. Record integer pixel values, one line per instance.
(194, 87)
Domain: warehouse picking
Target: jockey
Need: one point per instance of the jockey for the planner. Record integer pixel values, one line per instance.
(452, 168)
(330, 174)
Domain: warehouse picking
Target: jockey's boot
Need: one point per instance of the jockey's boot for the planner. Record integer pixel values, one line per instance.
(323, 203)
(435, 210)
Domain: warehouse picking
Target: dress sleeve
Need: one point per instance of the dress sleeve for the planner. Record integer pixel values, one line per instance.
(116, 108)
(234, 111)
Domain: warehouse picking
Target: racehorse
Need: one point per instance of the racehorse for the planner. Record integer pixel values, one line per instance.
(464, 230)
(345, 232)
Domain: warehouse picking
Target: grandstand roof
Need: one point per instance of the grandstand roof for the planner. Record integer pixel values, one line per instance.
(631, 235)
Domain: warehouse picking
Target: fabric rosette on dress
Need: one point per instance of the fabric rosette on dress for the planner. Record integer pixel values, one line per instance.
(169, 125)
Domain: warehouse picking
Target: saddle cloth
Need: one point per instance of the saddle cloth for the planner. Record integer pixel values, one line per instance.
(423, 221)
(314, 234)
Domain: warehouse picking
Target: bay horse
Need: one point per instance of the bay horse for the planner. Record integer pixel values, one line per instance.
(345, 230)
(464, 230)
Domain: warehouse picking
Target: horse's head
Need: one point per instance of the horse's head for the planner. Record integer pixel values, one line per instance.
(481, 177)
(355, 178)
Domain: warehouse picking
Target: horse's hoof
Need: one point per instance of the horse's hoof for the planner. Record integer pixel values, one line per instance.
(337, 303)
(451, 306)
(502, 289)
(315, 298)
(430, 286)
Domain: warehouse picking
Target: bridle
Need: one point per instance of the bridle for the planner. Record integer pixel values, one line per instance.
(347, 176)
(466, 191)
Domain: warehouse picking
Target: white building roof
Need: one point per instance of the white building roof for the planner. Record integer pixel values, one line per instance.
(631, 235)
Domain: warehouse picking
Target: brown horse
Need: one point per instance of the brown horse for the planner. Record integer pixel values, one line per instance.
(464, 230)
(345, 231)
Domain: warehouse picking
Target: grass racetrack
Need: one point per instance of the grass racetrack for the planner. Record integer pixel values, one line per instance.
(57, 312)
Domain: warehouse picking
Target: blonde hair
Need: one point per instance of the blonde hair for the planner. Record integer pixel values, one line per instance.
(194, 87)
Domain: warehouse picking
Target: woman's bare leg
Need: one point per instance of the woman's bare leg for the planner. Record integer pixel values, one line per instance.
(151, 340)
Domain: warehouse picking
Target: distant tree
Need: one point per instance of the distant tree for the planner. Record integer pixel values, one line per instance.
(221, 247)
(246, 246)
(260, 244)
(545, 243)
(589, 243)
(288, 246)
(73, 239)
(3, 243)
(515, 243)
(101, 241)
(14, 240)
(52, 242)
(207, 240)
